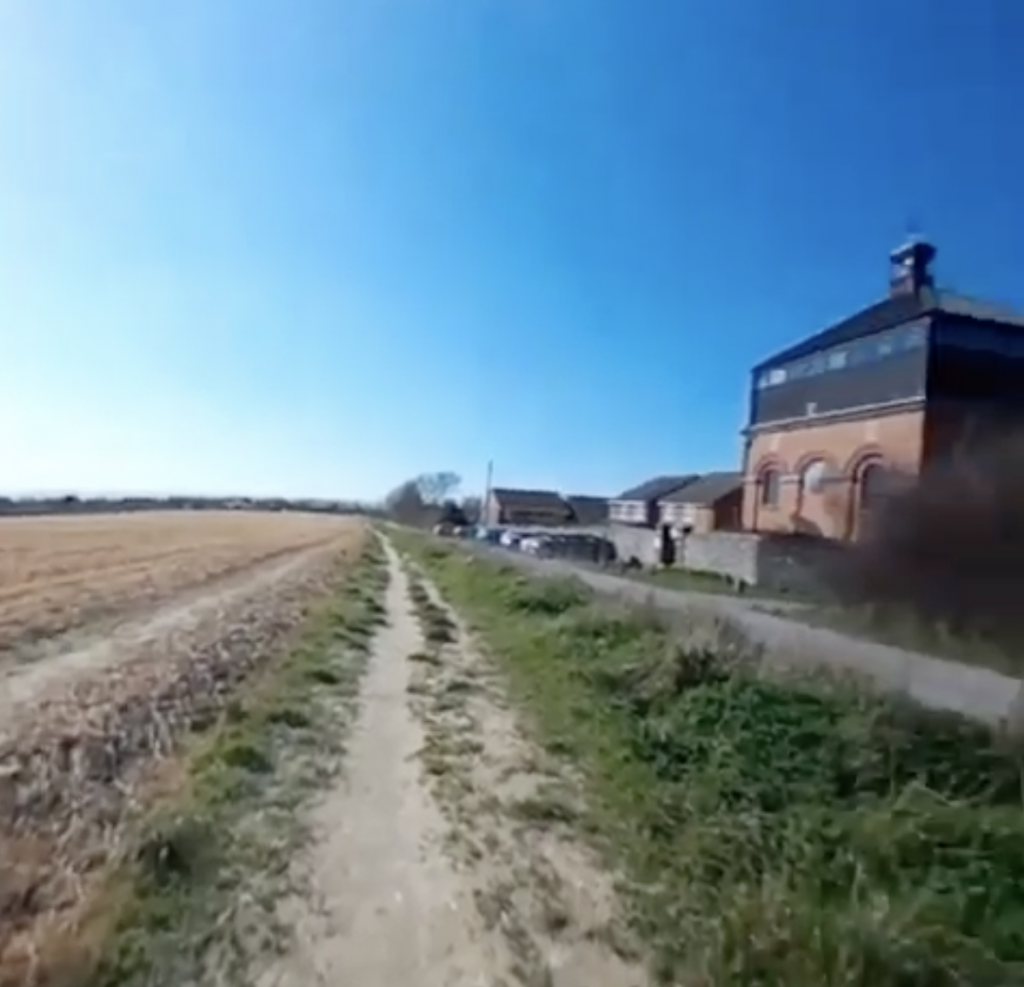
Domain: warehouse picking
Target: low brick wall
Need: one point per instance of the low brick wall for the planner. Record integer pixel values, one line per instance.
(779, 562)
(789, 564)
(630, 542)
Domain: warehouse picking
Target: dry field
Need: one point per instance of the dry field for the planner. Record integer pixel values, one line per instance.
(58, 573)
(92, 721)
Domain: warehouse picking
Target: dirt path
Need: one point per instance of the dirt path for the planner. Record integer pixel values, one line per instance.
(418, 874)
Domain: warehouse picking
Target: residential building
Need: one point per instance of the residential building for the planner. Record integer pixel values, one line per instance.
(881, 395)
(588, 510)
(506, 505)
(712, 502)
(639, 504)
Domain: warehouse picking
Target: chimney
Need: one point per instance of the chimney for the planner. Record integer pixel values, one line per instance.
(909, 273)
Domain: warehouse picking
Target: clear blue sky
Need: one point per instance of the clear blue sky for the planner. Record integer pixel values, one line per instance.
(315, 246)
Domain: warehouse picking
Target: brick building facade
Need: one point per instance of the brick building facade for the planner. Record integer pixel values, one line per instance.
(837, 420)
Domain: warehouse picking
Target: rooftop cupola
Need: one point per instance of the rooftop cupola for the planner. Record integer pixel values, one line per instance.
(910, 268)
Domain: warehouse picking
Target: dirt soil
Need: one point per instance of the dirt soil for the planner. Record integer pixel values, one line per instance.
(59, 573)
(59, 669)
(424, 868)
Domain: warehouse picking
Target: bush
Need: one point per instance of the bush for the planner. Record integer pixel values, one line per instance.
(949, 550)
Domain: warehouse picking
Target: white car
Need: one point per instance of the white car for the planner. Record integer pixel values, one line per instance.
(534, 545)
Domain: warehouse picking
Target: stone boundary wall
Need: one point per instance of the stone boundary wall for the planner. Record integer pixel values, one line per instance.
(783, 563)
(779, 562)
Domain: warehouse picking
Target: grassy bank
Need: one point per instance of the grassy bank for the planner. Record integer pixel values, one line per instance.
(773, 832)
(198, 902)
(695, 581)
(900, 627)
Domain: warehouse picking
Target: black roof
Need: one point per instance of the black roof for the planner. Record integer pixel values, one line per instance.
(510, 497)
(658, 487)
(588, 509)
(892, 312)
(706, 489)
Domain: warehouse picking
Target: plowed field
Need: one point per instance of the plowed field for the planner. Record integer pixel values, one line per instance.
(57, 573)
(120, 636)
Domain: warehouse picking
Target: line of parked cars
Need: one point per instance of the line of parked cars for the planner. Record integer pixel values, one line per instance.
(576, 546)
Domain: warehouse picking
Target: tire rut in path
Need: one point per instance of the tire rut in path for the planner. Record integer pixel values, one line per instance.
(515, 813)
(386, 906)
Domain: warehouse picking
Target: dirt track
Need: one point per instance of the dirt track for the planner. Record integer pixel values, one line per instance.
(61, 665)
(403, 892)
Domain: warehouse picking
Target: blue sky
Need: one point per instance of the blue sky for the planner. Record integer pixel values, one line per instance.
(314, 246)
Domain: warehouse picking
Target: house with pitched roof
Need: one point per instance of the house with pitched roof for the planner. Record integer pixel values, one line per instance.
(507, 505)
(711, 502)
(837, 420)
(588, 510)
(639, 505)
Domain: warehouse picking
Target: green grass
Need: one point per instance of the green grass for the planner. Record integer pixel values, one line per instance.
(697, 581)
(902, 628)
(773, 831)
(689, 581)
(200, 896)
(437, 626)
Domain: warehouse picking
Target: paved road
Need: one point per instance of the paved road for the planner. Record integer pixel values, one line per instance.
(934, 682)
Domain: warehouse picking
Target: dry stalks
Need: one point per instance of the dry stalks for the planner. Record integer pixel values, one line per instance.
(57, 573)
(96, 755)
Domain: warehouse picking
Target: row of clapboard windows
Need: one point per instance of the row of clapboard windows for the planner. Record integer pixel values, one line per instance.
(859, 352)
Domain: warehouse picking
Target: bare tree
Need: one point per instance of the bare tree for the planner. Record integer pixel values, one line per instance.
(435, 488)
(472, 508)
(405, 504)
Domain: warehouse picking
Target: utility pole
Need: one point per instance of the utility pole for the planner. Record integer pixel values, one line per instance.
(485, 505)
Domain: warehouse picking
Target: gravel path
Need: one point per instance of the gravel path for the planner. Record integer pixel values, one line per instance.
(935, 682)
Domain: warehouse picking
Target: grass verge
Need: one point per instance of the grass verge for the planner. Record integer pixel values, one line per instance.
(900, 627)
(512, 817)
(198, 902)
(435, 623)
(694, 581)
(775, 831)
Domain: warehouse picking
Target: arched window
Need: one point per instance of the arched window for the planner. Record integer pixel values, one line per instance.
(770, 483)
(812, 479)
(872, 485)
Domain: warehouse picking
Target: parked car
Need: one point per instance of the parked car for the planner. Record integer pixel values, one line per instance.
(535, 544)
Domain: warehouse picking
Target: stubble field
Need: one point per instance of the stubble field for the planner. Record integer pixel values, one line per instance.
(57, 573)
(120, 637)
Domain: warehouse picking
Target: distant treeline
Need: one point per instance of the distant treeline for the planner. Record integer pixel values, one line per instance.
(72, 504)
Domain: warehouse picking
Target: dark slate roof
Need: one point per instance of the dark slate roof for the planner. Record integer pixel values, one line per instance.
(543, 499)
(587, 509)
(706, 490)
(658, 487)
(892, 312)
